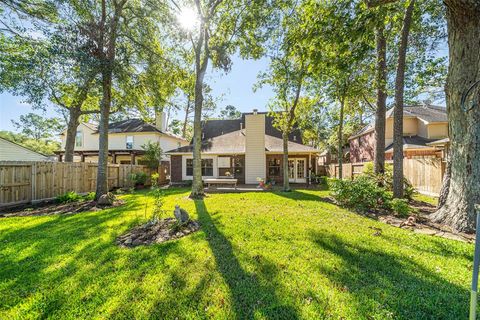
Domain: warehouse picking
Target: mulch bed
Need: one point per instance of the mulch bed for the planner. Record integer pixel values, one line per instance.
(158, 232)
(52, 207)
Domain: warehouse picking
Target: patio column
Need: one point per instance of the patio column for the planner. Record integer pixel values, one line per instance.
(60, 156)
(114, 158)
(82, 157)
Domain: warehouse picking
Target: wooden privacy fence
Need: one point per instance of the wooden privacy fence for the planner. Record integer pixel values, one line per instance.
(24, 182)
(425, 173)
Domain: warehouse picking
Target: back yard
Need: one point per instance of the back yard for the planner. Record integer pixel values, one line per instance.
(258, 255)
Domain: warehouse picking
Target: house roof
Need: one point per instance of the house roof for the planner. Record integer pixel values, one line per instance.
(426, 113)
(15, 144)
(214, 128)
(136, 125)
(234, 143)
(413, 142)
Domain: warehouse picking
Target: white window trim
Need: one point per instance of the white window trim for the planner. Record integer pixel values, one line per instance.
(184, 167)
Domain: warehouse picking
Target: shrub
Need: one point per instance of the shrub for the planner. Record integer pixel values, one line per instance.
(138, 178)
(70, 196)
(153, 154)
(386, 179)
(89, 196)
(400, 207)
(361, 194)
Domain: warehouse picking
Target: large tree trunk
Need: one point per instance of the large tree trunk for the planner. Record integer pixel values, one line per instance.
(340, 140)
(197, 184)
(73, 122)
(286, 182)
(102, 179)
(463, 18)
(398, 180)
(445, 185)
(379, 160)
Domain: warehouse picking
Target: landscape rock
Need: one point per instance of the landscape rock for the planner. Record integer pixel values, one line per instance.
(181, 215)
(106, 199)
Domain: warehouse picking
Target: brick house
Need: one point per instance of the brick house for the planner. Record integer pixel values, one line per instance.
(425, 133)
(246, 149)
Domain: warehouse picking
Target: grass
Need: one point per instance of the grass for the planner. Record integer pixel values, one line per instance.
(424, 198)
(258, 255)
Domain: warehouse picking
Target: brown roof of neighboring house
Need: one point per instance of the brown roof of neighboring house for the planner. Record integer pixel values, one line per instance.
(413, 142)
(136, 125)
(234, 143)
(426, 113)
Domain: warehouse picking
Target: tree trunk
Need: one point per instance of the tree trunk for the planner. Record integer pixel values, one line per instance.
(340, 140)
(187, 111)
(73, 122)
(445, 185)
(398, 180)
(286, 182)
(463, 19)
(197, 184)
(102, 179)
(379, 160)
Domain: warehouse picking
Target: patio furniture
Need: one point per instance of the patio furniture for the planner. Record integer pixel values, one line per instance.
(209, 182)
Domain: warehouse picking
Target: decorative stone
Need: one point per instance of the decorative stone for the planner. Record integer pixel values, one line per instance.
(106, 199)
(181, 215)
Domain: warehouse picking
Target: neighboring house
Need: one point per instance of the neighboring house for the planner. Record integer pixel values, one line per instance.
(125, 141)
(10, 151)
(246, 149)
(425, 129)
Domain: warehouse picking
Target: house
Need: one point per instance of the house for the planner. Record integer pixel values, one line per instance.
(425, 133)
(10, 151)
(246, 149)
(125, 141)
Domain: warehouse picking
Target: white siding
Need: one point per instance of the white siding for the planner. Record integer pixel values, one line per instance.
(12, 152)
(255, 160)
(90, 140)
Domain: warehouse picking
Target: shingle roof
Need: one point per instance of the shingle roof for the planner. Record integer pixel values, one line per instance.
(426, 113)
(234, 143)
(413, 142)
(136, 125)
(214, 128)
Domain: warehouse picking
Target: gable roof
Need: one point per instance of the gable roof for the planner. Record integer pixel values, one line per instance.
(426, 113)
(234, 143)
(217, 127)
(136, 125)
(19, 152)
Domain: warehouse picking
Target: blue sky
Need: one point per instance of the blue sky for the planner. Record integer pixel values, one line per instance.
(234, 87)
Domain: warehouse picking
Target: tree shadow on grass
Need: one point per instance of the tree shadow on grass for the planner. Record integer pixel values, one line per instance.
(298, 195)
(395, 285)
(249, 295)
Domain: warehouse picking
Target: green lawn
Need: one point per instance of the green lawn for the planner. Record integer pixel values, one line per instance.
(258, 255)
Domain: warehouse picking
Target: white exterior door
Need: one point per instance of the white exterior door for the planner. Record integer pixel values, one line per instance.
(297, 169)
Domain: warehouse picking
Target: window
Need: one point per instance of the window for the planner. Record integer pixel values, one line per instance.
(274, 167)
(238, 166)
(207, 167)
(189, 167)
(129, 142)
(79, 139)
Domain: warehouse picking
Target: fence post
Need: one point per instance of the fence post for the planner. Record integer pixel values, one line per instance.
(34, 181)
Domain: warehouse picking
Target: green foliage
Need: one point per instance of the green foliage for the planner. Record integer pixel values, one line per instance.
(230, 112)
(37, 127)
(70, 196)
(153, 154)
(89, 196)
(400, 207)
(386, 179)
(361, 194)
(138, 178)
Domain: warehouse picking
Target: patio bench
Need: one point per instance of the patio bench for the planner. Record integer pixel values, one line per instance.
(209, 182)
